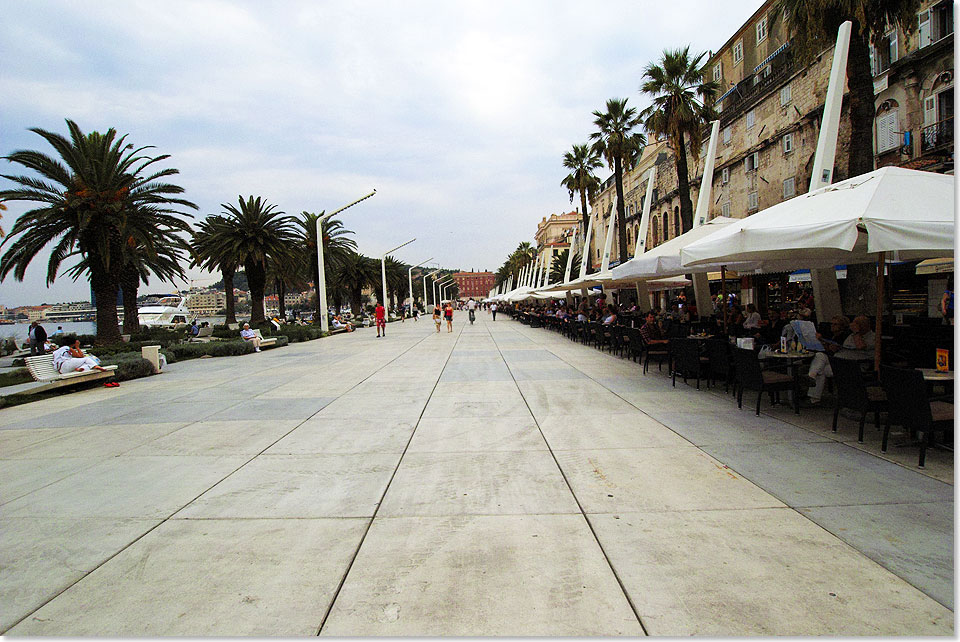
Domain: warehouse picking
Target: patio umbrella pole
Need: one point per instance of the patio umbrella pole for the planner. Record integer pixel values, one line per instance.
(881, 261)
(723, 295)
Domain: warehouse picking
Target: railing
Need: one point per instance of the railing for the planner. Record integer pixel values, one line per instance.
(746, 91)
(936, 135)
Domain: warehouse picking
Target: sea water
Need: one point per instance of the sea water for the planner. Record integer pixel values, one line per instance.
(19, 330)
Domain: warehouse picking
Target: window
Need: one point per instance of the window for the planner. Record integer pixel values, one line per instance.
(726, 134)
(935, 23)
(786, 94)
(751, 118)
(762, 30)
(725, 176)
(888, 134)
(725, 209)
(790, 187)
(738, 52)
(753, 202)
(751, 162)
(787, 143)
(718, 72)
(885, 54)
(676, 221)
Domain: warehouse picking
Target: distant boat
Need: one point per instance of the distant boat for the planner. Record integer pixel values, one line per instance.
(169, 312)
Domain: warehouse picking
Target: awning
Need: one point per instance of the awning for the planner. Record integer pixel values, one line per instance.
(935, 266)
(771, 57)
(803, 276)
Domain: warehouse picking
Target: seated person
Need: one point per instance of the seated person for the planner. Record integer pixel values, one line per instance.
(194, 329)
(752, 320)
(858, 345)
(771, 332)
(249, 335)
(339, 324)
(650, 331)
(611, 316)
(70, 358)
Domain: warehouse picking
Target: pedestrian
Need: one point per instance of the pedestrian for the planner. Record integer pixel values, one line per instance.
(436, 316)
(380, 314)
(448, 315)
(416, 313)
(493, 310)
(38, 337)
(472, 307)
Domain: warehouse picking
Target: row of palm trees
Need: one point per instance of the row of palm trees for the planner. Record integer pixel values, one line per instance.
(104, 203)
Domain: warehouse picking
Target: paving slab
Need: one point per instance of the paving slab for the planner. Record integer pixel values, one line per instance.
(363, 406)
(828, 474)
(480, 483)
(476, 434)
(298, 486)
(635, 430)
(177, 411)
(915, 541)
(19, 477)
(147, 487)
(209, 577)
(97, 441)
(757, 572)
(272, 409)
(481, 576)
(40, 557)
(13, 439)
(726, 427)
(478, 405)
(681, 478)
(215, 438)
(326, 435)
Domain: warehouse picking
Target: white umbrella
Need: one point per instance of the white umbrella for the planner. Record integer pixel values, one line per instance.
(888, 210)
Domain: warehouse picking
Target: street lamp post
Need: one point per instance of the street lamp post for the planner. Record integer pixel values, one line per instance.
(438, 285)
(321, 272)
(383, 272)
(425, 277)
(410, 283)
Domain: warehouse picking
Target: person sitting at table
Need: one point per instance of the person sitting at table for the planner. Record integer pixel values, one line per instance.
(650, 331)
(770, 331)
(611, 317)
(857, 346)
(752, 320)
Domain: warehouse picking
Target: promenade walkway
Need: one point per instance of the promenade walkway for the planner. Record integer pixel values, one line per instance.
(498, 480)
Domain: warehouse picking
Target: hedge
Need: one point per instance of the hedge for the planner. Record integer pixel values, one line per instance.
(293, 333)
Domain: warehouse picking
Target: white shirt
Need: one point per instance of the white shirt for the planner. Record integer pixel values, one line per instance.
(752, 321)
(247, 334)
(471, 304)
(60, 355)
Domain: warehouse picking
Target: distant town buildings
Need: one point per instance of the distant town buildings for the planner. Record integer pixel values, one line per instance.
(474, 284)
(553, 235)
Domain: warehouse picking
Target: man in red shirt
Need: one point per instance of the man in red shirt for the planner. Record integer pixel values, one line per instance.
(381, 316)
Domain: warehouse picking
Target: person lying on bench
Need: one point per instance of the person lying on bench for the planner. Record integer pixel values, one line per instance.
(249, 335)
(70, 358)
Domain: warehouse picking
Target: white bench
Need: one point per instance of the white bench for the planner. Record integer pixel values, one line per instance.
(41, 369)
(205, 335)
(265, 343)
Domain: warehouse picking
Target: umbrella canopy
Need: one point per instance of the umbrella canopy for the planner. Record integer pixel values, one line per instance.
(665, 258)
(888, 210)
(588, 281)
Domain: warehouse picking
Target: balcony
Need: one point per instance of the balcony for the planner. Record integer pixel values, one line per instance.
(755, 86)
(936, 136)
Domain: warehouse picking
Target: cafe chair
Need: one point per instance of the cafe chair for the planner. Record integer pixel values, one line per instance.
(751, 376)
(911, 407)
(853, 392)
(688, 362)
(659, 351)
(721, 366)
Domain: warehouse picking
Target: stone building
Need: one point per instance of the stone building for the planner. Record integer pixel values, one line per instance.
(474, 284)
(553, 235)
(770, 108)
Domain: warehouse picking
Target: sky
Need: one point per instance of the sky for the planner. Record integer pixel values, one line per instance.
(457, 112)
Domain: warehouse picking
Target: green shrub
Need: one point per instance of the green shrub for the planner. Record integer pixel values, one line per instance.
(129, 366)
(153, 336)
(213, 348)
(298, 333)
(18, 362)
(15, 377)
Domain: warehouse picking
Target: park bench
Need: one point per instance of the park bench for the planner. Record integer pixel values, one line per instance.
(42, 370)
(205, 335)
(265, 343)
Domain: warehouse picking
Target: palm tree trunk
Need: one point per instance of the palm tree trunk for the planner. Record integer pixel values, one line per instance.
(355, 302)
(257, 280)
(130, 284)
(281, 294)
(108, 323)
(583, 211)
(621, 212)
(683, 182)
(231, 307)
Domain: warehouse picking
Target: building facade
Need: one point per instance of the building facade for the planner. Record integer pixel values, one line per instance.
(553, 235)
(207, 303)
(474, 284)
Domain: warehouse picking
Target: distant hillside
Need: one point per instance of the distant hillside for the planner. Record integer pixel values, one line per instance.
(239, 282)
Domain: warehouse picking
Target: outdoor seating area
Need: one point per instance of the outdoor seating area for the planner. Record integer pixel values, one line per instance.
(906, 393)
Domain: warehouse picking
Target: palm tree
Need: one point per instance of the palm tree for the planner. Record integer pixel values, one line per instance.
(559, 266)
(335, 246)
(85, 198)
(681, 107)
(620, 146)
(3, 208)
(211, 251)
(581, 161)
(355, 273)
(284, 272)
(258, 232)
(396, 279)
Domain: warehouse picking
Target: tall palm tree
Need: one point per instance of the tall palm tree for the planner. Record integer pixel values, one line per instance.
(396, 279)
(257, 233)
(559, 266)
(85, 198)
(335, 246)
(682, 105)
(618, 143)
(581, 161)
(355, 273)
(212, 251)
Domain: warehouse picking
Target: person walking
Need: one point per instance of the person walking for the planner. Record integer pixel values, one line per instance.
(448, 315)
(472, 307)
(416, 313)
(436, 317)
(493, 310)
(380, 314)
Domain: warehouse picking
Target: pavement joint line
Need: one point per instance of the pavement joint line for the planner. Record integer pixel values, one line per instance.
(586, 519)
(775, 496)
(172, 515)
(363, 537)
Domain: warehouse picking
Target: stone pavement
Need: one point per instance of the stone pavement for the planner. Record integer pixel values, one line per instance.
(499, 480)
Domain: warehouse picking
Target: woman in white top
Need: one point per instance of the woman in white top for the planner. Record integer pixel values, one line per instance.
(752, 322)
(71, 358)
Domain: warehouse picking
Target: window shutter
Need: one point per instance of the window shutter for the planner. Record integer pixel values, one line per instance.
(924, 19)
(873, 61)
(887, 132)
(726, 134)
(929, 111)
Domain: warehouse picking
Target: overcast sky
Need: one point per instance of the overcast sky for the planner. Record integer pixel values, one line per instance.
(458, 113)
